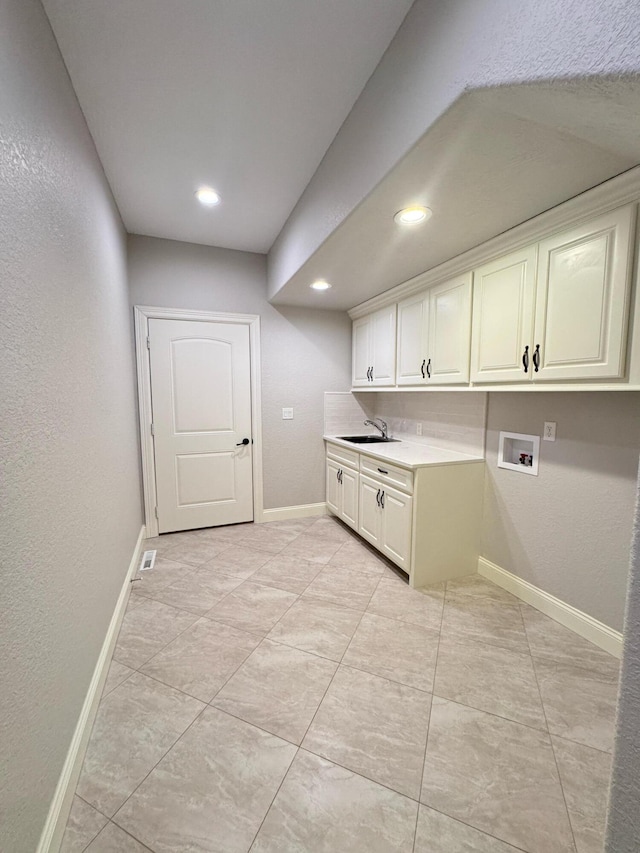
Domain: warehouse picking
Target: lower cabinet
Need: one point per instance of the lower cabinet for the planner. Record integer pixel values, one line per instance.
(386, 520)
(426, 520)
(342, 492)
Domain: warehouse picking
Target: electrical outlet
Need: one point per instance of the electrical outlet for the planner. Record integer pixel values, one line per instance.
(418, 429)
(287, 414)
(549, 433)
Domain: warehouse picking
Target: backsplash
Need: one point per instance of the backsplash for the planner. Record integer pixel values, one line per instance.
(453, 421)
(344, 414)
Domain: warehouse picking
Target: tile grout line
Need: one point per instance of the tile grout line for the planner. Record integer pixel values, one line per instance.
(553, 752)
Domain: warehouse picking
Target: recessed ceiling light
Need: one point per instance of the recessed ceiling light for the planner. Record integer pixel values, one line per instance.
(412, 215)
(207, 196)
(320, 285)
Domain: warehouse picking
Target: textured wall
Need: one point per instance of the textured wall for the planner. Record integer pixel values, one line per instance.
(567, 530)
(441, 50)
(304, 352)
(69, 487)
(623, 821)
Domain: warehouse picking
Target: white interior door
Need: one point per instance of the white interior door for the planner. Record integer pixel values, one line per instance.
(201, 405)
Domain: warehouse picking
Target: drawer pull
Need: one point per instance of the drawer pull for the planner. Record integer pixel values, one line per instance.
(382, 471)
(378, 498)
(382, 500)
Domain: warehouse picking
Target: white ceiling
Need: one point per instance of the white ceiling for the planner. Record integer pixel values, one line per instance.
(495, 159)
(242, 95)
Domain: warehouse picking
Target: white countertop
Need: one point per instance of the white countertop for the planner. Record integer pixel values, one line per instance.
(407, 454)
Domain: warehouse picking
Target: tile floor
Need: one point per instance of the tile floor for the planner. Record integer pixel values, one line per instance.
(279, 687)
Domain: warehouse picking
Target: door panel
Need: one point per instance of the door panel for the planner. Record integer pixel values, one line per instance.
(349, 487)
(413, 327)
(333, 488)
(503, 303)
(201, 407)
(384, 346)
(369, 511)
(450, 331)
(583, 285)
(361, 356)
(396, 527)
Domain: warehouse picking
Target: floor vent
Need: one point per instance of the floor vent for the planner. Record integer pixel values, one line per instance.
(148, 559)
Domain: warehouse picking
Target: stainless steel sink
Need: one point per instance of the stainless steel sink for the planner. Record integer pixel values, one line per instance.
(367, 439)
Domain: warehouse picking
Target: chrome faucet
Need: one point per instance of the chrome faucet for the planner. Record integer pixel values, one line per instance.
(382, 426)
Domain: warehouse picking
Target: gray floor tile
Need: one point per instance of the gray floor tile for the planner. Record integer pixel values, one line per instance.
(343, 587)
(277, 688)
(163, 573)
(437, 833)
(267, 539)
(148, 628)
(211, 791)
(288, 573)
(355, 554)
(491, 679)
(396, 650)
(118, 673)
(198, 592)
(82, 827)
(551, 640)
(585, 774)
(497, 776)
(480, 587)
(112, 839)
(312, 547)
(579, 704)
(135, 725)
(373, 726)
(318, 627)
(253, 607)
(202, 658)
(238, 561)
(324, 808)
(395, 599)
(484, 620)
(197, 551)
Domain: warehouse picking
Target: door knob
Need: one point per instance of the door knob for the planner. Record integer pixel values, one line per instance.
(244, 441)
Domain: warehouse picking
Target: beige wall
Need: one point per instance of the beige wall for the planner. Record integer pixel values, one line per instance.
(568, 530)
(69, 488)
(304, 352)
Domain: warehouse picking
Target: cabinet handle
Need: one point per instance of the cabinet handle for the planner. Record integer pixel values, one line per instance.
(429, 369)
(525, 359)
(382, 471)
(378, 498)
(422, 367)
(368, 374)
(338, 475)
(536, 358)
(371, 373)
(382, 500)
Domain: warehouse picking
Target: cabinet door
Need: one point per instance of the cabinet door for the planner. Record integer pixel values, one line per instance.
(361, 361)
(413, 329)
(450, 332)
(349, 487)
(582, 299)
(395, 534)
(383, 341)
(503, 303)
(333, 488)
(369, 513)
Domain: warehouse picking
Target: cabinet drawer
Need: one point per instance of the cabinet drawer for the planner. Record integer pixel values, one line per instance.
(389, 474)
(343, 455)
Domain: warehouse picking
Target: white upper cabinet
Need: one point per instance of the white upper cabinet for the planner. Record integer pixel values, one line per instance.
(558, 310)
(503, 312)
(582, 300)
(433, 335)
(374, 348)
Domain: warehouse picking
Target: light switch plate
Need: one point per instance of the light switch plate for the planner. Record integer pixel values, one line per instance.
(549, 432)
(287, 414)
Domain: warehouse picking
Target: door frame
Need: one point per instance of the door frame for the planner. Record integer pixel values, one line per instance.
(142, 314)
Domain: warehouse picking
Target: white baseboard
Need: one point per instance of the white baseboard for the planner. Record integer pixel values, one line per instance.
(282, 513)
(56, 822)
(588, 627)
